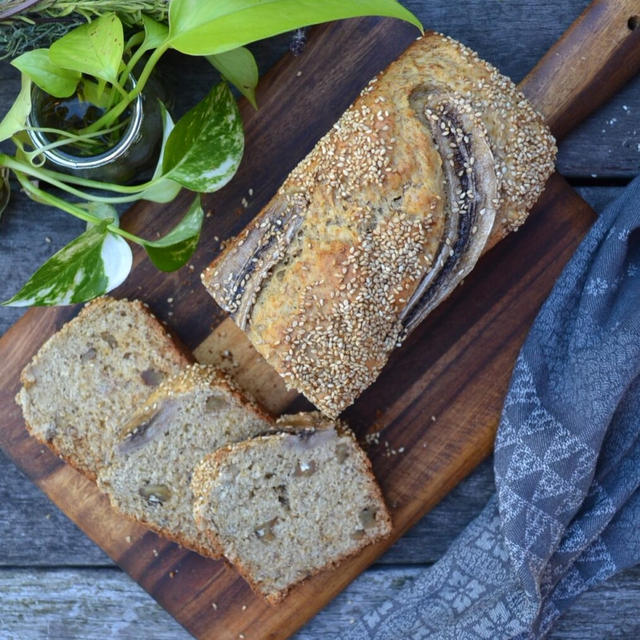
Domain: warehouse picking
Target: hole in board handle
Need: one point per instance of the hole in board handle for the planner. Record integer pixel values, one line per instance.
(633, 23)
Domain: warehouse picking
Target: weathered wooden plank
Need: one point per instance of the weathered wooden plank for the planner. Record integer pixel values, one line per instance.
(599, 197)
(80, 605)
(567, 92)
(34, 532)
(606, 145)
(85, 604)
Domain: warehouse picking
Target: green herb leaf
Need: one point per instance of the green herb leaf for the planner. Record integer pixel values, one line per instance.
(173, 251)
(238, 67)
(155, 33)
(162, 189)
(5, 189)
(205, 28)
(92, 92)
(54, 80)
(89, 266)
(94, 48)
(16, 118)
(205, 147)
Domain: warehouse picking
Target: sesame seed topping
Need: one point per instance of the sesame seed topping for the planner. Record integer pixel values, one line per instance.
(331, 338)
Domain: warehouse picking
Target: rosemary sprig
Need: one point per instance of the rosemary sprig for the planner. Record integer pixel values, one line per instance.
(30, 24)
(130, 12)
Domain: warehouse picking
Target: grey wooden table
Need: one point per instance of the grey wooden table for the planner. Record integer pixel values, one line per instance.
(55, 583)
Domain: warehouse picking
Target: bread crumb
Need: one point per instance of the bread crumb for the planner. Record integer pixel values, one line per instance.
(214, 606)
(128, 539)
(244, 607)
(155, 553)
(372, 438)
(298, 74)
(172, 574)
(433, 418)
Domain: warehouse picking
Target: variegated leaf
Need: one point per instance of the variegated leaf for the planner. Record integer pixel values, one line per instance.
(173, 250)
(89, 266)
(206, 145)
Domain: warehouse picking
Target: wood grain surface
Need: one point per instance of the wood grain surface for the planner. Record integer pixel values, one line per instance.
(590, 63)
(455, 367)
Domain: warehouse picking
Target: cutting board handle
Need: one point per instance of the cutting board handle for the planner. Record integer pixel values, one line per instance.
(595, 57)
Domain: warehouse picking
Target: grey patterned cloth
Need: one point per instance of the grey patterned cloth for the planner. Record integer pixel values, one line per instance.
(566, 514)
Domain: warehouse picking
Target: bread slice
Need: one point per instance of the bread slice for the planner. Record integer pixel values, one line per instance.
(149, 474)
(87, 379)
(284, 506)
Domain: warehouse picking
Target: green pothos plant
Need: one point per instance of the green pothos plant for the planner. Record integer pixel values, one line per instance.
(201, 151)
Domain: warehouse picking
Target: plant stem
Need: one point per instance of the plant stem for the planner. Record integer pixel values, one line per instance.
(66, 138)
(119, 109)
(60, 181)
(135, 40)
(74, 210)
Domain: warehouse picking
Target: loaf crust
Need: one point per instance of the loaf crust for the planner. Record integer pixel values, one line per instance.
(332, 274)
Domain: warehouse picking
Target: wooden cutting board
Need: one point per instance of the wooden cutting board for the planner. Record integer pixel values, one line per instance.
(436, 404)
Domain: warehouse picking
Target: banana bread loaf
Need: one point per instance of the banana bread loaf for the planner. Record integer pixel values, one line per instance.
(438, 159)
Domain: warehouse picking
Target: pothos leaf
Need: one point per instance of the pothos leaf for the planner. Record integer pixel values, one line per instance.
(204, 28)
(205, 147)
(173, 250)
(238, 67)
(89, 266)
(163, 189)
(92, 92)
(155, 33)
(16, 118)
(5, 189)
(94, 48)
(54, 80)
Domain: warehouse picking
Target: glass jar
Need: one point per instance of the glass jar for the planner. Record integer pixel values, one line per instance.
(131, 158)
